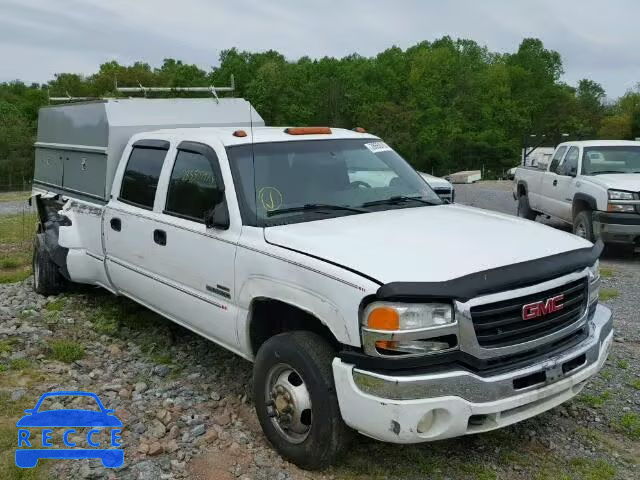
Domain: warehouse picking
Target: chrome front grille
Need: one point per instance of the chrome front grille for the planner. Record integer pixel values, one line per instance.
(444, 193)
(500, 324)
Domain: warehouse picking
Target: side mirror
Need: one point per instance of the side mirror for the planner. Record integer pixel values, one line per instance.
(217, 217)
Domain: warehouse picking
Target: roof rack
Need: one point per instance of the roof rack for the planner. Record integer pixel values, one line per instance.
(213, 90)
(69, 98)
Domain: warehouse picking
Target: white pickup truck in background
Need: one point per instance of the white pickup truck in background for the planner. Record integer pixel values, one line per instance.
(592, 185)
(364, 305)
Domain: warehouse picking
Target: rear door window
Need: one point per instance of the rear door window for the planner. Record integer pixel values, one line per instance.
(140, 179)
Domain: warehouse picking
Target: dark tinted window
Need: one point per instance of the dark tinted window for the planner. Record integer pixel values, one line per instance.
(556, 159)
(141, 176)
(192, 187)
(570, 163)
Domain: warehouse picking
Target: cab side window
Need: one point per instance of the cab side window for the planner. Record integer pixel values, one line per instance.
(556, 159)
(570, 164)
(194, 185)
(142, 172)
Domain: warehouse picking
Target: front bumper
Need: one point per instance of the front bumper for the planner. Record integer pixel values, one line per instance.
(617, 227)
(420, 408)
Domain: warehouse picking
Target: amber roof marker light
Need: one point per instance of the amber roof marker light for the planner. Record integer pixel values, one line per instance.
(308, 131)
(240, 133)
(359, 130)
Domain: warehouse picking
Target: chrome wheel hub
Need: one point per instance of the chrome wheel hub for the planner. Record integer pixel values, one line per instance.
(288, 403)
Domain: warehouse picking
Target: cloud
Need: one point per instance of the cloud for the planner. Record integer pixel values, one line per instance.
(39, 38)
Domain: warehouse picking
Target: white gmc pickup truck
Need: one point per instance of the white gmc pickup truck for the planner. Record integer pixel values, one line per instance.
(592, 185)
(378, 309)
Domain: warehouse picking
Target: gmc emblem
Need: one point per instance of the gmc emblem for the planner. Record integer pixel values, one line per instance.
(540, 309)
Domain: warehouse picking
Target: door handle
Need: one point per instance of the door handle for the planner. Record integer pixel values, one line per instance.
(555, 182)
(160, 237)
(116, 224)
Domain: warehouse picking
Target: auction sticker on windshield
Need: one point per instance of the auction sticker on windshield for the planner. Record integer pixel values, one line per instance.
(377, 147)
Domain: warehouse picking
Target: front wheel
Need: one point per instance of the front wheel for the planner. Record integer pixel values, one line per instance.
(583, 225)
(295, 399)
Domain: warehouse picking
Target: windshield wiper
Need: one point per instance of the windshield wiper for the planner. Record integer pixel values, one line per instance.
(397, 200)
(316, 206)
(607, 171)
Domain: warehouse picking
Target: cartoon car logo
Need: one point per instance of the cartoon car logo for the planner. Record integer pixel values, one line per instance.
(67, 419)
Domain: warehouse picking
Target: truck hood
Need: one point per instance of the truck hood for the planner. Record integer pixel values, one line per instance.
(435, 182)
(424, 244)
(617, 181)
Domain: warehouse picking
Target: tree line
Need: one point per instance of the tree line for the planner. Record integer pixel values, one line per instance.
(445, 105)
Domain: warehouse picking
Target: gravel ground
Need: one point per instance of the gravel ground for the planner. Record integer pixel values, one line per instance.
(187, 412)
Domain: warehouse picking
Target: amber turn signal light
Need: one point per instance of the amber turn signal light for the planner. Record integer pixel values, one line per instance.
(308, 131)
(384, 318)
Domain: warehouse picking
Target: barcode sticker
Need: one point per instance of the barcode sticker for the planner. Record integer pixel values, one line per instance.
(377, 147)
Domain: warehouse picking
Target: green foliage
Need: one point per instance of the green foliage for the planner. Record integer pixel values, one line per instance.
(445, 105)
(608, 294)
(56, 305)
(19, 364)
(630, 425)
(66, 350)
(16, 236)
(595, 401)
(589, 469)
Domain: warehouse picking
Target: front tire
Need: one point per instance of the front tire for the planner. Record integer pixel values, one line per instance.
(47, 279)
(524, 210)
(296, 401)
(583, 225)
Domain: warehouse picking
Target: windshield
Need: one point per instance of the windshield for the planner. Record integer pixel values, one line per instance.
(309, 180)
(622, 159)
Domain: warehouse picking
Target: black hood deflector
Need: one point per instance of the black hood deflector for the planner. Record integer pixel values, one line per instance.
(509, 277)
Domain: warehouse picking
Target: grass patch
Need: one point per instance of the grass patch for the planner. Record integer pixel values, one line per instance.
(635, 383)
(608, 294)
(14, 196)
(607, 272)
(622, 363)
(16, 235)
(588, 469)
(162, 358)
(629, 424)
(56, 305)
(9, 263)
(6, 346)
(3, 368)
(66, 350)
(105, 319)
(19, 364)
(595, 401)
(606, 373)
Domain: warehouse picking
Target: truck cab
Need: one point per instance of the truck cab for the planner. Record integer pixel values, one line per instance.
(592, 185)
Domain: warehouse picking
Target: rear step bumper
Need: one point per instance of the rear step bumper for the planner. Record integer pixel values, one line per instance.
(412, 409)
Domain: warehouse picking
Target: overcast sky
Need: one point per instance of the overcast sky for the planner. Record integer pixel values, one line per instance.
(597, 40)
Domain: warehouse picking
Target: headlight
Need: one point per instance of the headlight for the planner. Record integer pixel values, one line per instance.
(618, 199)
(407, 316)
(620, 195)
(594, 282)
(401, 329)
